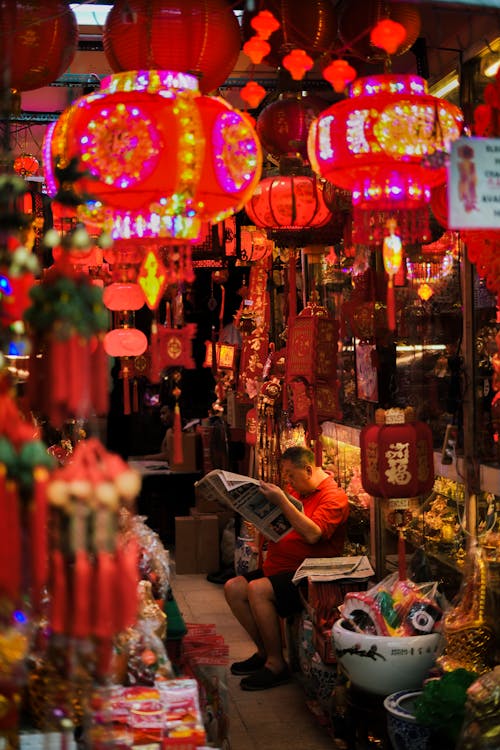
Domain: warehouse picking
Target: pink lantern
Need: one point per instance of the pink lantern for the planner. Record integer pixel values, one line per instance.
(123, 296)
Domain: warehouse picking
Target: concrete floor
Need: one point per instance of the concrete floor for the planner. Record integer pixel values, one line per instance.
(276, 719)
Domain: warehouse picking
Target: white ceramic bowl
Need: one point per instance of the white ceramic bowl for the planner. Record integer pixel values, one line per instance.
(385, 664)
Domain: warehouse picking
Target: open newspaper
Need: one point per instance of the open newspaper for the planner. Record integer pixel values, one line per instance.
(243, 494)
(334, 569)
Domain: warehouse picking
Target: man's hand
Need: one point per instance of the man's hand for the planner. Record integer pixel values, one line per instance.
(273, 493)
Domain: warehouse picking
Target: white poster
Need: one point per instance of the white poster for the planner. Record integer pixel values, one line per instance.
(474, 184)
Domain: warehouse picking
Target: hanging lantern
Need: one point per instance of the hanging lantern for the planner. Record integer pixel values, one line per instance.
(256, 49)
(288, 202)
(152, 279)
(392, 255)
(309, 26)
(397, 457)
(298, 62)
(157, 157)
(39, 42)
(339, 73)
(203, 38)
(388, 35)
(26, 165)
(373, 144)
(283, 125)
(123, 296)
(252, 93)
(254, 244)
(264, 24)
(355, 28)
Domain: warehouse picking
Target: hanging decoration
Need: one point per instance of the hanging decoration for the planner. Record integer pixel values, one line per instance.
(26, 165)
(397, 455)
(254, 244)
(39, 42)
(388, 35)
(252, 93)
(311, 27)
(157, 157)
(204, 38)
(374, 143)
(169, 347)
(311, 371)
(298, 63)
(355, 29)
(66, 322)
(427, 271)
(340, 74)
(282, 126)
(392, 256)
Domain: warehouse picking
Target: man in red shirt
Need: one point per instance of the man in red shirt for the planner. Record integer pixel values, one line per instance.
(258, 599)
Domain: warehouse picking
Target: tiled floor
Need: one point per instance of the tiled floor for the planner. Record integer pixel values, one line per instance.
(275, 719)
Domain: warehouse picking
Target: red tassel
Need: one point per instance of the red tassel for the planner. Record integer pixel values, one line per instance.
(391, 306)
(178, 457)
(100, 379)
(39, 537)
(81, 610)
(104, 584)
(12, 539)
(135, 396)
(126, 390)
(401, 557)
(127, 606)
(58, 610)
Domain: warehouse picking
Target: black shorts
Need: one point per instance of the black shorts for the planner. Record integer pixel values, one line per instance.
(286, 593)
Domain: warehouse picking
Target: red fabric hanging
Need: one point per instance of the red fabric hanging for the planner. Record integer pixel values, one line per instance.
(58, 601)
(39, 537)
(105, 576)
(14, 538)
(81, 606)
(127, 607)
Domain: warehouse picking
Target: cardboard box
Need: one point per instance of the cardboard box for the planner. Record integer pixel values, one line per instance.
(196, 544)
(191, 449)
(204, 505)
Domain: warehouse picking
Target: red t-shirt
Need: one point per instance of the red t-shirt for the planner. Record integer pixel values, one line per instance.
(328, 507)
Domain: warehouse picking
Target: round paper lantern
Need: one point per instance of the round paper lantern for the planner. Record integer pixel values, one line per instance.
(26, 165)
(283, 125)
(157, 157)
(125, 342)
(39, 41)
(254, 244)
(310, 26)
(374, 143)
(288, 202)
(355, 27)
(201, 37)
(123, 296)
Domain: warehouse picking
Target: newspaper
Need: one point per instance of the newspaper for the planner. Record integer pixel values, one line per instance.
(334, 569)
(243, 494)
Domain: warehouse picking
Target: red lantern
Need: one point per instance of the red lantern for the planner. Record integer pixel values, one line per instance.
(26, 165)
(283, 125)
(39, 41)
(125, 342)
(311, 26)
(203, 38)
(354, 27)
(256, 49)
(339, 73)
(388, 35)
(288, 202)
(252, 93)
(373, 144)
(254, 244)
(123, 296)
(297, 62)
(264, 24)
(158, 157)
(397, 458)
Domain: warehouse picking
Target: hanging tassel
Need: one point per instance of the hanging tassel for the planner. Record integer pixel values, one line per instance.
(58, 600)
(391, 305)
(402, 557)
(13, 535)
(178, 457)
(126, 387)
(104, 586)
(127, 605)
(39, 536)
(82, 600)
(135, 396)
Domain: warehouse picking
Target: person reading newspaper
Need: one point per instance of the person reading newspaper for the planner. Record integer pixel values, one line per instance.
(259, 598)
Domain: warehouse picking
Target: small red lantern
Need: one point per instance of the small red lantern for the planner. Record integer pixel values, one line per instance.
(26, 165)
(339, 73)
(39, 42)
(373, 144)
(298, 62)
(264, 24)
(125, 342)
(203, 38)
(254, 244)
(283, 125)
(288, 202)
(252, 93)
(354, 27)
(388, 35)
(397, 457)
(256, 49)
(123, 296)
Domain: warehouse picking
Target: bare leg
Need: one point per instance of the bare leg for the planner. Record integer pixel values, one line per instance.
(265, 616)
(236, 593)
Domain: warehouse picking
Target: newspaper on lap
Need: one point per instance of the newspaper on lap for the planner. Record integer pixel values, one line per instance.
(334, 569)
(243, 494)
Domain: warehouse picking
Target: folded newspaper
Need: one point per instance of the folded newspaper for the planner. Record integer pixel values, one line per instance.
(243, 494)
(334, 569)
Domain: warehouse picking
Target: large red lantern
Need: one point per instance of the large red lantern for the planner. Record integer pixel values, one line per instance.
(397, 458)
(283, 125)
(201, 37)
(374, 144)
(355, 28)
(39, 41)
(158, 157)
(288, 202)
(310, 26)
